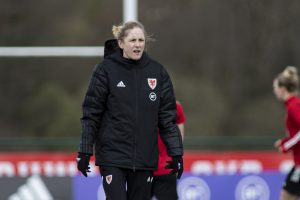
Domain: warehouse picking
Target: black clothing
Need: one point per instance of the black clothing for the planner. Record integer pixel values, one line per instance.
(292, 181)
(164, 187)
(126, 101)
(115, 180)
(83, 161)
(110, 47)
(176, 164)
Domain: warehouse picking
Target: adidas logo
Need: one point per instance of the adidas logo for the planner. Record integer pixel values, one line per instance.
(34, 189)
(121, 84)
(149, 180)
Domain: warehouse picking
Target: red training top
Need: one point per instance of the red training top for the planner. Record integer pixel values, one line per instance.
(292, 124)
(162, 150)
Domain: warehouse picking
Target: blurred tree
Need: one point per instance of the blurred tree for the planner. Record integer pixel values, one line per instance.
(52, 112)
(222, 56)
(237, 46)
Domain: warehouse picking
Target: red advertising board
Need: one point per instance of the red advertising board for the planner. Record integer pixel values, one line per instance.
(61, 164)
(232, 162)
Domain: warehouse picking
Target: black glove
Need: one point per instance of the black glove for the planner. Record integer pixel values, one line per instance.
(176, 165)
(83, 161)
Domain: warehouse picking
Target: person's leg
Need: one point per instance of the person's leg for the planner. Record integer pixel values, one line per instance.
(291, 186)
(164, 187)
(155, 187)
(284, 195)
(139, 185)
(114, 182)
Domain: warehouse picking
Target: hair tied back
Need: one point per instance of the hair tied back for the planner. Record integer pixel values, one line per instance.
(116, 30)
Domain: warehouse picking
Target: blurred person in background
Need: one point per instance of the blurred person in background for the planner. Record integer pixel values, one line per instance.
(285, 87)
(165, 180)
(128, 97)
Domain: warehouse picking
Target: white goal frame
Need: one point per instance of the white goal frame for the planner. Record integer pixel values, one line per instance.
(129, 13)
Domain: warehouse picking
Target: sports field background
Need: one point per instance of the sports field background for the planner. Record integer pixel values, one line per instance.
(222, 57)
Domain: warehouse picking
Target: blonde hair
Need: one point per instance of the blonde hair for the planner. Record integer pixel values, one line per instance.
(289, 79)
(121, 31)
(116, 30)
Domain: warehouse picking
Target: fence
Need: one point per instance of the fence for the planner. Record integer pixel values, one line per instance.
(190, 143)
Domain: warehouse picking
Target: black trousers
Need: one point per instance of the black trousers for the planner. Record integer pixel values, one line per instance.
(164, 187)
(125, 184)
(292, 181)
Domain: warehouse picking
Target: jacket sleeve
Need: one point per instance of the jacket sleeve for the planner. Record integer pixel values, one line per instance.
(291, 141)
(169, 131)
(93, 108)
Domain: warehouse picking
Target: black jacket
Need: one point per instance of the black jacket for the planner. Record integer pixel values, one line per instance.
(125, 103)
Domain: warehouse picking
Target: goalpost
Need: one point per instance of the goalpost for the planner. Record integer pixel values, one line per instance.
(51, 51)
(129, 13)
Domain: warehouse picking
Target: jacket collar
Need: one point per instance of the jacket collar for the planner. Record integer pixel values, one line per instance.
(110, 46)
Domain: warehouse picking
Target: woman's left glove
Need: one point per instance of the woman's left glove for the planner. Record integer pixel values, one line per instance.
(83, 161)
(176, 165)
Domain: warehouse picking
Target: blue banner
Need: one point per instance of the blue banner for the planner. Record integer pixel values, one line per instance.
(262, 186)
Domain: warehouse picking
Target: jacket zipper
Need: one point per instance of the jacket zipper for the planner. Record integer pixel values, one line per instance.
(136, 117)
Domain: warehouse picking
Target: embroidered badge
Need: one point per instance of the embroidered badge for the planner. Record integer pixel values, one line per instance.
(108, 179)
(152, 83)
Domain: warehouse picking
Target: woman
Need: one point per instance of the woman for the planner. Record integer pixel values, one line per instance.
(129, 96)
(285, 88)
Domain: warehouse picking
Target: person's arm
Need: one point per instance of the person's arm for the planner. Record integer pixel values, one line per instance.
(93, 108)
(169, 131)
(181, 128)
(288, 143)
(180, 120)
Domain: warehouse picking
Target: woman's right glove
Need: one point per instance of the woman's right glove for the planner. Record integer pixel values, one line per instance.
(83, 161)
